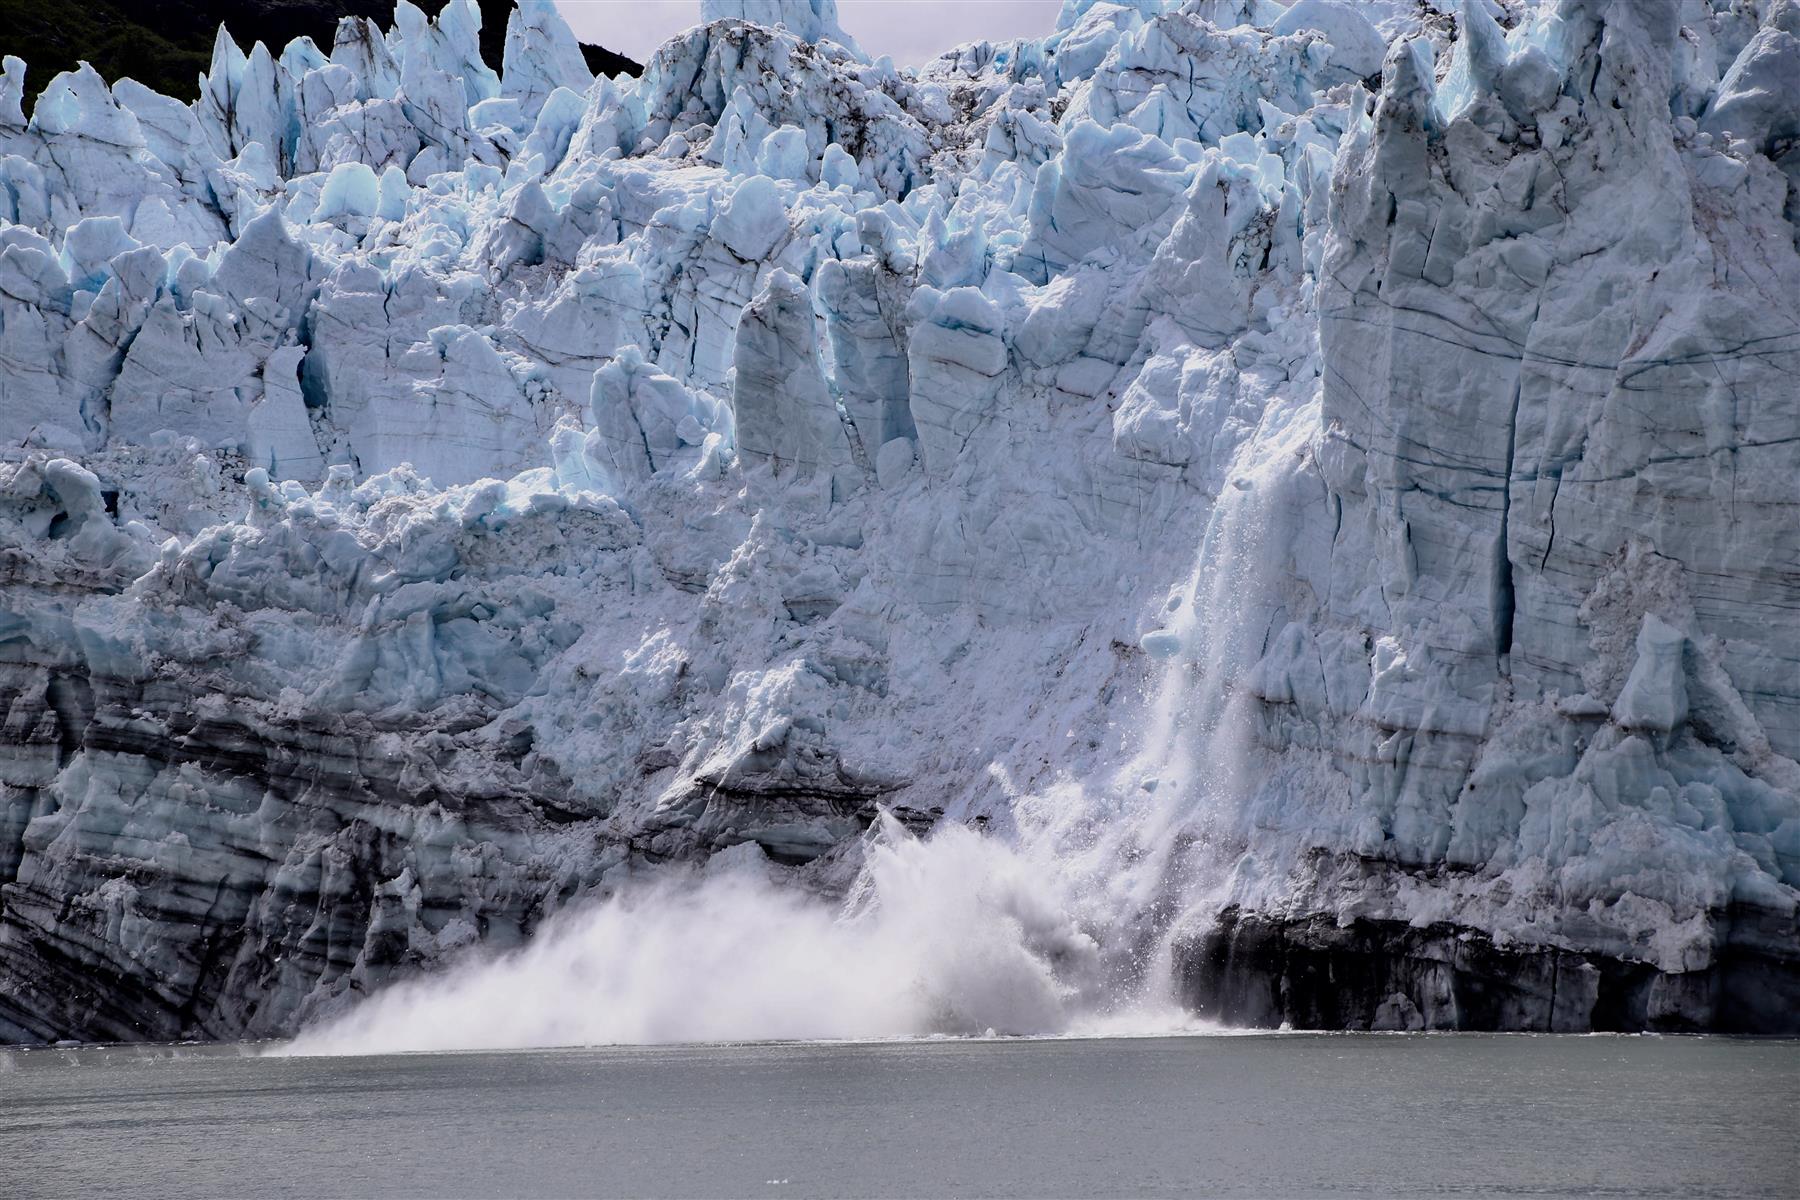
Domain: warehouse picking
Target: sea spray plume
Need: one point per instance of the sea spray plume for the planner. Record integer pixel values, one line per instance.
(1063, 927)
(952, 934)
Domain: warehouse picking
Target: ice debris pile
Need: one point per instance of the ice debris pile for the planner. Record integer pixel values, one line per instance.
(1325, 478)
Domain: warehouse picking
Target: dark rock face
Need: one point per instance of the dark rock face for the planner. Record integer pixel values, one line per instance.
(1312, 973)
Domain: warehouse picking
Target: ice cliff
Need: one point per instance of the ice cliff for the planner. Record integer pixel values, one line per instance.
(1324, 477)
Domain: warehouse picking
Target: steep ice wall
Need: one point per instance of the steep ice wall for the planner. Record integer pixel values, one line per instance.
(1318, 480)
(1556, 419)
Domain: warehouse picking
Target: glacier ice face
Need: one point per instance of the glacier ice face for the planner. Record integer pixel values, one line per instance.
(809, 20)
(1317, 480)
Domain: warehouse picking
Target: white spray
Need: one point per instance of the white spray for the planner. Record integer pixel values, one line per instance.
(954, 935)
(1062, 930)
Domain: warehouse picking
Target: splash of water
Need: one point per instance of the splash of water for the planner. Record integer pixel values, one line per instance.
(1063, 930)
(956, 935)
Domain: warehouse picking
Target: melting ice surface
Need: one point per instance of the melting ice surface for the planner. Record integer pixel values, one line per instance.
(1266, 465)
(1059, 930)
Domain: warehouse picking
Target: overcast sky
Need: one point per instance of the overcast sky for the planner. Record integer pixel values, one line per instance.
(913, 31)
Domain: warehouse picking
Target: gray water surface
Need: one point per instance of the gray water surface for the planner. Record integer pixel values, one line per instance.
(1282, 1115)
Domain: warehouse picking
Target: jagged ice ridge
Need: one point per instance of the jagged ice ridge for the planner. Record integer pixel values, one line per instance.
(1320, 482)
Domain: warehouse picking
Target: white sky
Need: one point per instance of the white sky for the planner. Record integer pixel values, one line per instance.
(913, 31)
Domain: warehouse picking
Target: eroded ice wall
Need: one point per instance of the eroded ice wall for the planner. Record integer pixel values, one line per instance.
(1347, 453)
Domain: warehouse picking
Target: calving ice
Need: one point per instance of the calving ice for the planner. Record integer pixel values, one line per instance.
(1232, 511)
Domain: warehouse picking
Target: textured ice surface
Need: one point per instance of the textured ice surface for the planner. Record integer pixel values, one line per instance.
(431, 497)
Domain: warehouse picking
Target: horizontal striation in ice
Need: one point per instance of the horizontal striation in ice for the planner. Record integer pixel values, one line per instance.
(1369, 430)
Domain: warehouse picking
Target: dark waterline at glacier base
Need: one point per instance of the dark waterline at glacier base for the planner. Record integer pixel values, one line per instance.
(1290, 1115)
(1319, 973)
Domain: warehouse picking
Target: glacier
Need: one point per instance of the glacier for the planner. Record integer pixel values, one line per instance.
(1273, 513)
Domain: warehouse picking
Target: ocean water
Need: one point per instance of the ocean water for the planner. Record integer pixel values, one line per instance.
(1246, 1115)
